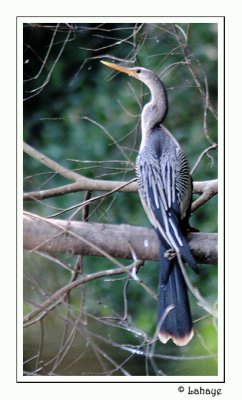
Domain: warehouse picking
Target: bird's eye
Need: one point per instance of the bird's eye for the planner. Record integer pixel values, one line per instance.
(138, 71)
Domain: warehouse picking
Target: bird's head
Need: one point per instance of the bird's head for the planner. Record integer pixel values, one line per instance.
(142, 74)
(155, 111)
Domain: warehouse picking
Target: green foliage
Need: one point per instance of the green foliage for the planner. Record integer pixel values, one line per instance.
(87, 119)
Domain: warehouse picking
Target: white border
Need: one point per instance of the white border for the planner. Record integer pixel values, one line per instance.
(172, 379)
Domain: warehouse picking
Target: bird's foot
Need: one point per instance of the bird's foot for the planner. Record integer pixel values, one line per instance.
(170, 254)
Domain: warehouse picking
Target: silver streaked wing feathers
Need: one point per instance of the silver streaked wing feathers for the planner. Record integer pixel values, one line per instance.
(159, 178)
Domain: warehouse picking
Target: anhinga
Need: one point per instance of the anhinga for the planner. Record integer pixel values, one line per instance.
(165, 189)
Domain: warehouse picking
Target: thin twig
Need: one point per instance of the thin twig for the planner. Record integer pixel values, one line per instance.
(202, 302)
(58, 295)
(184, 47)
(205, 152)
(37, 90)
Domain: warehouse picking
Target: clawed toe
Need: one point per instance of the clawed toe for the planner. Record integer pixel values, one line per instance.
(170, 254)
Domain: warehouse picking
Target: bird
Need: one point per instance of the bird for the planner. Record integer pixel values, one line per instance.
(165, 190)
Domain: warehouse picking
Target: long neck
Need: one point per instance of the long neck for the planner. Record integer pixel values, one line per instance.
(155, 111)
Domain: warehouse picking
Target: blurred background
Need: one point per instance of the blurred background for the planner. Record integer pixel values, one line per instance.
(87, 118)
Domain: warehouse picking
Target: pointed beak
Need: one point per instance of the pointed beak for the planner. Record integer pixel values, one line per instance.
(128, 71)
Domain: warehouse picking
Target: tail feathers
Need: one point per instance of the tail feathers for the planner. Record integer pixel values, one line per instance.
(174, 316)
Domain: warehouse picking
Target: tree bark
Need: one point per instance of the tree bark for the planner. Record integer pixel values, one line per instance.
(116, 241)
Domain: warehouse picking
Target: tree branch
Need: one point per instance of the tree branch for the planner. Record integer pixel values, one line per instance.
(103, 185)
(112, 241)
(58, 295)
(207, 189)
(204, 152)
(53, 165)
(82, 183)
(184, 47)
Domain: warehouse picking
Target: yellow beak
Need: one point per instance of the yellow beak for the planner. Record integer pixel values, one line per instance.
(128, 71)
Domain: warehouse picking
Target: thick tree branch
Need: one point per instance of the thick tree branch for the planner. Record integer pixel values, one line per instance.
(111, 241)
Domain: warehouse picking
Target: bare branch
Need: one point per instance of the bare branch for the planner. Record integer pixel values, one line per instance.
(37, 90)
(53, 165)
(57, 296)
(112, 241)
(81, 182)
(204, 152)
(184, 47)
(83, 185)
(207, 189)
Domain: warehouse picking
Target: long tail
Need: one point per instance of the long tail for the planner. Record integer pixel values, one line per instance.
(174, 316)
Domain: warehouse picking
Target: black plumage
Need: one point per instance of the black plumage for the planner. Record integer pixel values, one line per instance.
(165, 190)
